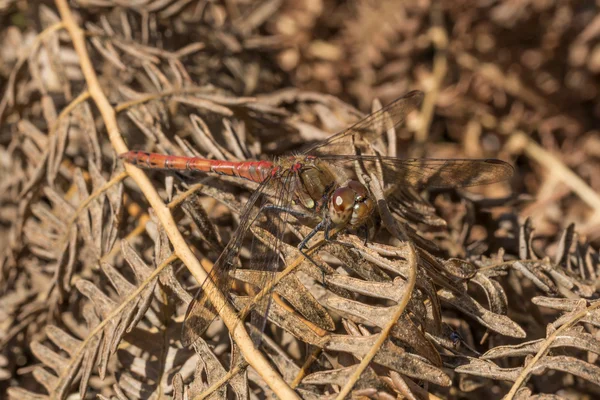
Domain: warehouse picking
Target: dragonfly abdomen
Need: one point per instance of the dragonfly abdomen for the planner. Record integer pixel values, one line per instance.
(256, 171)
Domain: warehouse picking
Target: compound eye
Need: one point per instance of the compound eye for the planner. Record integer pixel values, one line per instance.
(342, 199)
(358, 188)
(362, 211)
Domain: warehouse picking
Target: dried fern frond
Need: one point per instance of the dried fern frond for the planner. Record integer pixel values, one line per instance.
(454, 294)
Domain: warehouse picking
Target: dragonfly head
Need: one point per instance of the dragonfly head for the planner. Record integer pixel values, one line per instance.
(350, 205)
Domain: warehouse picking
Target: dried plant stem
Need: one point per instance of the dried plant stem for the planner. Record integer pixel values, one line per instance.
(83, 96)
(254, 357)
(509, 264)
(385, 332)
(312, 357)
(119, 310)
(526, 371)
(177, 200)
(116, 179)
(558, 169)
(174, 92)
(223, 381)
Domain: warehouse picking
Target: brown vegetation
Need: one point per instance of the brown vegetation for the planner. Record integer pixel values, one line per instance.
(478, 293)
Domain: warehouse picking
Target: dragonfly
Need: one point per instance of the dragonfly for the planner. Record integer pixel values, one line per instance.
(314, 184)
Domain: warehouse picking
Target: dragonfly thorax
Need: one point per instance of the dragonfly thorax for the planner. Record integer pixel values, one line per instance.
(344, 204)
(350, 205)
(316, 182)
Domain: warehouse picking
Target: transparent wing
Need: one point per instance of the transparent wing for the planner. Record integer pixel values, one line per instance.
(201, 312)
(266, 258)
(432, 172)
(371, 127)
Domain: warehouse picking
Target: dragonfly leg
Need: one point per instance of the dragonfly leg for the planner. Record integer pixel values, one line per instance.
(302, 245)
(295, 213)
(327, 231)
(312, 233)
(309, 258)
(365, 230)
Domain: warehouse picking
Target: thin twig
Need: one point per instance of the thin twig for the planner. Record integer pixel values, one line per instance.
(545, 346)
(168, 93)
(84, 204)
(119, 310)
(223, 381)
(312, 357)
(254, 357)
(177, 200)
(83, 96)
(385, 332)
(509, 264)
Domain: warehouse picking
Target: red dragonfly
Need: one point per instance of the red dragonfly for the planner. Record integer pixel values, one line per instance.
(315, 183)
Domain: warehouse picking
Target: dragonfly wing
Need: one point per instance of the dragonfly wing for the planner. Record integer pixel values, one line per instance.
(266, 258)
(201, 312)
(432, 172)
(371, 127)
